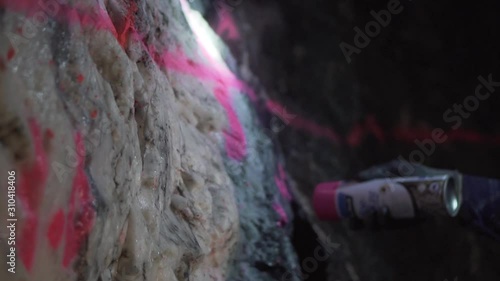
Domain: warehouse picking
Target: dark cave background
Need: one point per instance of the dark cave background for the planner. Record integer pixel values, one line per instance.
(427, 59)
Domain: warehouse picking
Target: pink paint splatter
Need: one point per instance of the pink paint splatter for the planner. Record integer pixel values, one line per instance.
(99, 19)
(56, 229)
(10, 53)
(280, 180)
(355, 137)
(283, 216)
(235, 140)
(94, 17)
(31, 186)
(373, 127)
(358, 132)
(226, 27)
(178, 61)
(280, 111)
(49, 134)
(93, 114)
(81, 214)
(301, 123)
(128, 25)
(80, 78)
(464, 135)
(78, 14)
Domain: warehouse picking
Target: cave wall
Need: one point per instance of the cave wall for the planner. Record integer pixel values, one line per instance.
(128, 138)
(346, 115)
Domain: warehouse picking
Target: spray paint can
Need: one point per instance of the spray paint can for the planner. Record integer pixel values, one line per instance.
(400, 198)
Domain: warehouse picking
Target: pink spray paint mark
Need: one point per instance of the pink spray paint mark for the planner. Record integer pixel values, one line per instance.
(355, 137)
(99, 19)
(228, 78)
(79, 14)
(226, 27)
(178, 61)
(373, 127)
(93, 114)
(280, 180)
(468, 136)
(93, 17)
(56, 229)
(49, 134)
(301, 123)
(235, 140)
(280, 111)
(358, 132)
(11, 53)
(29, 7)
(464, 135)
(31, 186)
(81, 214)
(281, 212)
(80, 78)
(128, 26)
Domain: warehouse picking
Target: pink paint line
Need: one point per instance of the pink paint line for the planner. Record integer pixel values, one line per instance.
(459, 135)
(226, 26)
(355, 137)
(81, 214)
(371, 127)
(281, 212)
(56, 229)
(178, 61)
(280, 180)
(32, 181)
(282, 188)
(358, 132)
(78, 14)
(235, 139)
(98, 18)
(302, 123)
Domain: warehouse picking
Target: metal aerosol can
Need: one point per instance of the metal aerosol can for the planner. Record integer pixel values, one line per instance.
(400, 198)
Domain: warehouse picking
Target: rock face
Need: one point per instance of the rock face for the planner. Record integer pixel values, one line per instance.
(114, 117)
(392, 94)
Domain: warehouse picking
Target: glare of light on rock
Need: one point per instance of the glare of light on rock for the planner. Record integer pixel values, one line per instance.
(206, 37)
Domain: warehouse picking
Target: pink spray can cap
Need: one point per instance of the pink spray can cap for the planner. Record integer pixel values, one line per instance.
(324, 200)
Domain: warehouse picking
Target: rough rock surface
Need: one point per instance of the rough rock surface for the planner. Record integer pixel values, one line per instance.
(265, 251)
(393, 93)
(115, 128)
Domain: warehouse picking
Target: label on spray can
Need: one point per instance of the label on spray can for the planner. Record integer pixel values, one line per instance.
(400, 198)
(363, 199)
